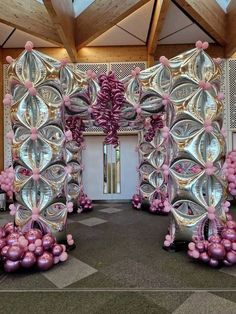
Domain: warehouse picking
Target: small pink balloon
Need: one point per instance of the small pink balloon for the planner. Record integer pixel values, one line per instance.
(213, 262)
(31, 247)
(57, 250)
(231, 257)
(56, 259)
(29, 46)
(38, 242)
(63, 257)
(38, 251)
(14, 253)
(32, 91)
(198, 44)
(205, 45)
(195, 254)
(9, 59)
(167, 243)
(204, 257)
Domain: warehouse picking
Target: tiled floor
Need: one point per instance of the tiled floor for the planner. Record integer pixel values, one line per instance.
(119, 266)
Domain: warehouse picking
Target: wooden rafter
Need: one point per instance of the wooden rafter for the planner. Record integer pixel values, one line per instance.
(30, 17)
(230, 49)
(100, 16)
(208, 15)
(160, 10)
(63, 18)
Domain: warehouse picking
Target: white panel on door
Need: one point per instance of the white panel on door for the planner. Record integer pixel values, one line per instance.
(110, 173)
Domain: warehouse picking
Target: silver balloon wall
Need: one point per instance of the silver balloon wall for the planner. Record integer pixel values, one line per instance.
(176, 102)
(38, 143)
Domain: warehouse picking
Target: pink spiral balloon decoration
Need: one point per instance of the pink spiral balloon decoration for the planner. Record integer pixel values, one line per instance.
(106, 111)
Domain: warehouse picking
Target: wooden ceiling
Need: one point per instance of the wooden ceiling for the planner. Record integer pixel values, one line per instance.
(56, 23)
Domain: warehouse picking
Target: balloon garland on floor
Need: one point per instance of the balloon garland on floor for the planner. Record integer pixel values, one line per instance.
(30, 250)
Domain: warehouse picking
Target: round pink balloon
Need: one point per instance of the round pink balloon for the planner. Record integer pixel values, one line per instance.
(28, 260)
(45, 261)
(39, 251)
(48, 241)
(12, 238)
(57, 250)
(216, 251)
(14, 253)
(33, 235)
(231, 257)
(213, 262)
(204, 257)
(11, 266)
(229, 234)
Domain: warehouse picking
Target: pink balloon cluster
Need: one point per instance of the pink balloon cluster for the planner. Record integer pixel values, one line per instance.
(6, 181)
(158, 205)
(156, 123)
(30, 249)
(84, 203)
(106, 111)
(229, 170)
(136, 201)
(218, 249)
(74, 124)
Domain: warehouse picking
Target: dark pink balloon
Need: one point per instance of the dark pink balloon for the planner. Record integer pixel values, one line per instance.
(227, 263)
(204, 257)
(33, 234)
(231, 257)
(48, 241)
(216, 251)
(11, 266)
(213, 262)
(45, 261)
(227, 244)
(12, 238)
(231, 224)
(200, 246)
(38, 251)
(229, 234)
(28, 260)
(57, 250)
(214, 239)
(9, 228)
(14, 253)
(229, 217)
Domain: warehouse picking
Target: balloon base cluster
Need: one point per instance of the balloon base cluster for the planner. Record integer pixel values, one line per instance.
(219, 249)
(157, 206)
(29, 250)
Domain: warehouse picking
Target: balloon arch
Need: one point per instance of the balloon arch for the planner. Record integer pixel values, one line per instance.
(176, 105)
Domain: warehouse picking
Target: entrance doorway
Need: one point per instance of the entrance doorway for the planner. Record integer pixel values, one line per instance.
(110, 173)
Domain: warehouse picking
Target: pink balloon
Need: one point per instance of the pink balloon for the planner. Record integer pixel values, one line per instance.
(14, 253)
(45, 261)
(231, 257)
(28, 260)
(11, 266)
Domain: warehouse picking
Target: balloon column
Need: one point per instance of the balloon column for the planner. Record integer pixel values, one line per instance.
(196, 197)
(79, 94)
(37, 142)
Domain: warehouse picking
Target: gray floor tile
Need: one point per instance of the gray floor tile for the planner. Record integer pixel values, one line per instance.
(206, 303)
(69, 272)
(229, 271)
(111, 210)
(93, 221)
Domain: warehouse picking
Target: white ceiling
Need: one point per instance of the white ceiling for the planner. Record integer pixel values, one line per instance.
(133, 30)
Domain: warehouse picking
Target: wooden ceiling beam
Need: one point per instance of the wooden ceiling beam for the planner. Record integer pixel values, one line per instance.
(230, 49)
(100, 16)
(30, 17)
(63, 18)
(159, 14)
(208, 15)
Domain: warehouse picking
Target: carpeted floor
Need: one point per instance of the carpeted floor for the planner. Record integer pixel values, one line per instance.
(119, 266)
